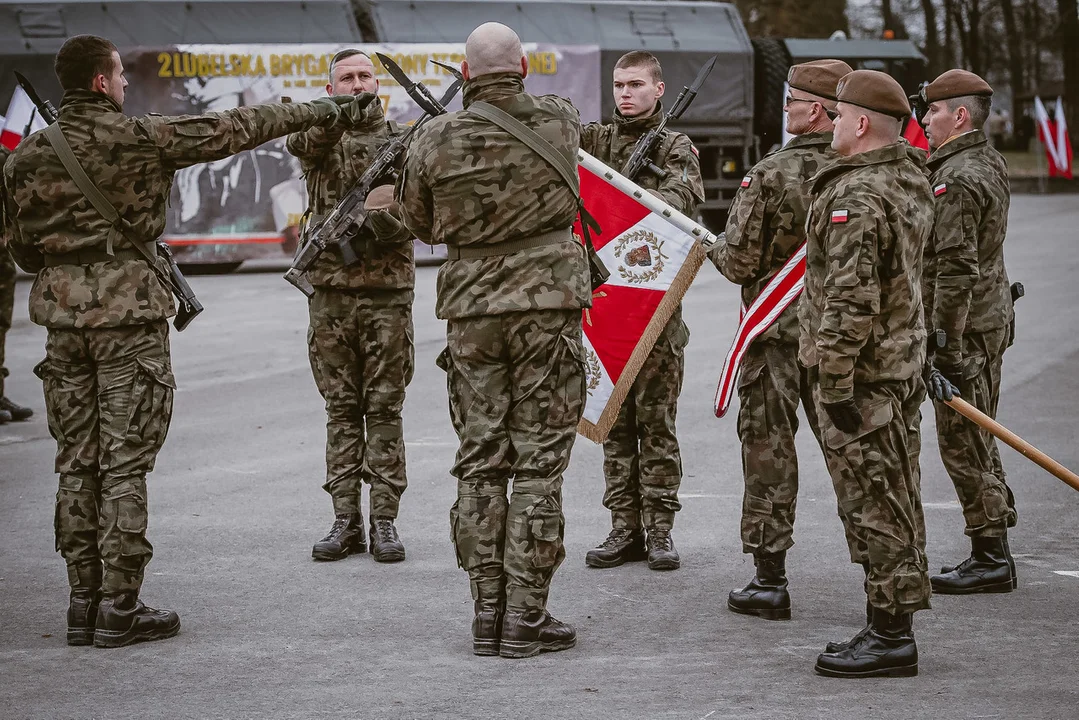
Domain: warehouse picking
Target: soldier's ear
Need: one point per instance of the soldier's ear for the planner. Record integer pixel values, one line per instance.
(524, 66)
(464, 70)
(659, 89)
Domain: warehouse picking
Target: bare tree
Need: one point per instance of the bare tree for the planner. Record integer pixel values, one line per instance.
(932, 39)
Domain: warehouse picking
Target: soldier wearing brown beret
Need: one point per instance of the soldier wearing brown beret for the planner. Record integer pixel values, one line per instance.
(863, 339)
(967, 296)
(765, 227)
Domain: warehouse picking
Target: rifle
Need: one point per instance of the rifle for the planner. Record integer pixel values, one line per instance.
(641, 159)
(188, 306)
(343, 223)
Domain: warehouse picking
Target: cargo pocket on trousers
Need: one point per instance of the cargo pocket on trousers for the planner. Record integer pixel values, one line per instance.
(571, 387)
(455, 519)
(751, 398)
(756, 513)
(848, 451)
(994, 499)
(545, 524)
(151, 402)
(460, 398)
(46, 372)
(315, 358)
(131, 520)
(910, 589)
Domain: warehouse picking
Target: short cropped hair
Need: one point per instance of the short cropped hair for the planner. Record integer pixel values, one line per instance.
(641, 59)
(344, 54)
(81, 59)
(977, 105)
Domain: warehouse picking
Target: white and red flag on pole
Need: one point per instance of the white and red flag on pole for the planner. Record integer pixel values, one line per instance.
(915, 135)
(782, 290)
(653, 252)
(20, 113)
(1054, 136)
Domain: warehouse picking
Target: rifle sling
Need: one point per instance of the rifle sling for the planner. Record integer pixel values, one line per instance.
(59, 143)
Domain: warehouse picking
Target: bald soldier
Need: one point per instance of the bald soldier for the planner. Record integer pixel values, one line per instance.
(863, 339)
(107, 370)
(512, 293)
(359, 339)
(765, 227)
(967, 296)
(9, 410)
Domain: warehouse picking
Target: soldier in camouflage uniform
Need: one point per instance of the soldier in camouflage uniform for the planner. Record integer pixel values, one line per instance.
(107, 372)
(765, 227)
(512, 292)
(642, 465)
(863, 340)
(967, 296)
(8, 409)
(360, 337)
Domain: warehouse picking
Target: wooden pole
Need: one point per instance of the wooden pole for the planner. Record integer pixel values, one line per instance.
(979, 418)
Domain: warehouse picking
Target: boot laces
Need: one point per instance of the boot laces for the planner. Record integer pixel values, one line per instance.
(339, 525)
(617, 537)
(660, 540)
(384, 528)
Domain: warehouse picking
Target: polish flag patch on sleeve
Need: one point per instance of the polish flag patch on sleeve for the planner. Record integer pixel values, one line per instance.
(693, 149)
(940, 190)
(839, 216)
(747, 181)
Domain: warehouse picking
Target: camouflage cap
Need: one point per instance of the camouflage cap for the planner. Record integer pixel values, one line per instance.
(874, 90)
(380, 198)
(818, 77)
(955, 83)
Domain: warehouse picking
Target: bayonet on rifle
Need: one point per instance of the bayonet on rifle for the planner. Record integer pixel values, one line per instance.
(641, 159)
(343, 223)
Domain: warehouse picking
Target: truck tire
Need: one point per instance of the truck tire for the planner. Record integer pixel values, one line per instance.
(771, 61)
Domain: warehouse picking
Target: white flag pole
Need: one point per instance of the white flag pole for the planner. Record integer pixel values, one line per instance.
(1062, 129)
(650, 201)
(1042, 116)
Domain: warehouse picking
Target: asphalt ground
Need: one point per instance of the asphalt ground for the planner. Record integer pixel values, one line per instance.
(267, 633)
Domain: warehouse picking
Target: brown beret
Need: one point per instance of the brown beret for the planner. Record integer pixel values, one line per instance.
(874, 90)
(956, 83)
(818, 77)
(380, 198)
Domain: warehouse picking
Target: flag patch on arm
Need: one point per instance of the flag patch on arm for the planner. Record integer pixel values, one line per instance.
(747, 181)
(940, 190)
(840, 216)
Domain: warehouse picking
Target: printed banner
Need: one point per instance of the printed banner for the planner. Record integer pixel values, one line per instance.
(249, 205)
(652, 263)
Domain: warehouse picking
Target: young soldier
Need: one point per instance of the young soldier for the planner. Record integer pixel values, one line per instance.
(642, 465)
(863, 339)
(360, 337)
(766, 226)
(108, 371)
(967, 296)
(512, 293)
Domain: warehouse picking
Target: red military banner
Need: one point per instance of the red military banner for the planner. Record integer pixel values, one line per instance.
(653, 252)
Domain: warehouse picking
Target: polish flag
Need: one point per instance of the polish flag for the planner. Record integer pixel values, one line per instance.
(20, 114)
(914, 134)
(652, 252)
(1054, 136)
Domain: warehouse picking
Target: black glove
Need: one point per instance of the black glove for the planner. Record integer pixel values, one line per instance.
(939, 386)
(844, 415)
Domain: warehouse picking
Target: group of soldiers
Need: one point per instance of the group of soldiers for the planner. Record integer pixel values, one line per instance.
(496, 183)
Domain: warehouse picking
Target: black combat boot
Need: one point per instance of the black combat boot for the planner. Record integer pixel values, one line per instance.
(621, 546)
(17, 412)
(487, 628)
(766, 594)
(834, 647)
(123, 620)
(661, 552)
(82, 608)
(5, 417)
(529, 632)
(989, 569)
(345, 537)
(386, 546)
(886, 650)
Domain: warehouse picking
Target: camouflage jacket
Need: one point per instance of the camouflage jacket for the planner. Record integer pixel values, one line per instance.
(767, 222)
(861, 314)
(612, 144)
(4, 154)
(965, 284)
(333, 159)
(132, 161)
(468, 183)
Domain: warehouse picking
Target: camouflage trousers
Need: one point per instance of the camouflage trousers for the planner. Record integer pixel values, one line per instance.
(771, 385)
(362, 358)
(642, 463)
(108, 397)
(970, 454)
(516, 389)
(877, 483)
(7, 306)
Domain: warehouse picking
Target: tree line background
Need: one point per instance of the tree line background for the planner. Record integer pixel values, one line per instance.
(1021, 47)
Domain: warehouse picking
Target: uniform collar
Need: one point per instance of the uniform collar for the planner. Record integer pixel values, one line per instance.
(641, 124)
(80, 100)
(956, 145)
(894, 152)
(810, 139)
(494, 86)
